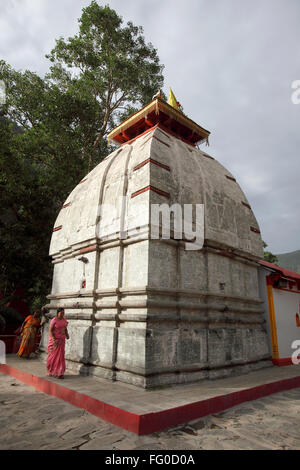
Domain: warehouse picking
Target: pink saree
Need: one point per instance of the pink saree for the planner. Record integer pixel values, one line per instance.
(56, 364)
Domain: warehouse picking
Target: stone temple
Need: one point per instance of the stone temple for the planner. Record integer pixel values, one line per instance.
(147, 311)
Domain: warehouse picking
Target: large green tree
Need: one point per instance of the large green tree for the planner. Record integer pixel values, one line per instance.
(25, 218)
(53, 129)
(108, 68)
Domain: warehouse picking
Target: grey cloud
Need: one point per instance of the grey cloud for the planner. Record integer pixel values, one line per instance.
(231, 65)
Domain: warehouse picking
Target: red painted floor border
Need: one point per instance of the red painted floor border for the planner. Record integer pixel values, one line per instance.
(110, 413)
(158, 421)
(150, 422)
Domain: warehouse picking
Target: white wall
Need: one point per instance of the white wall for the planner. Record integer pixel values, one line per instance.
(286, 305)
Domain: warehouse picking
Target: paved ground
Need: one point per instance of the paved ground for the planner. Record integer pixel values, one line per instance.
(32, 420)
(140, 401)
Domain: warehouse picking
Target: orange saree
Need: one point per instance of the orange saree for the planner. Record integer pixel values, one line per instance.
(28, 334)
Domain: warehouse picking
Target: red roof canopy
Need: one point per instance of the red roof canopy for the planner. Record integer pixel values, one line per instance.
(283, 271)
(158, 113)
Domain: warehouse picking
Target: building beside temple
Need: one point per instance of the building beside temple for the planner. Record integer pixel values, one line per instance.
(280, 289)
(148, 311)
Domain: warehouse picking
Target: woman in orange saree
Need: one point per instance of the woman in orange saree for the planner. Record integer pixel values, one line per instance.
(58, 333)
(29, 331)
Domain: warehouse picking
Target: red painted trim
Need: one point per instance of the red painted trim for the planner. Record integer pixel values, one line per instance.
(156, 421)
(140, 165)
(153, 422)
(162, 165)
(246, 205)
(230, 178)
(151, 188)
(254, 229)
(161, 141)
(88, 249)
(66, 205)
(57, 228)
(168, 131)
(151, 160)
(285, 361)
(136, 193)
(110, 413)
(284, 272)
(159, 191)
(140, 135)
(223, 253)
(271, 278)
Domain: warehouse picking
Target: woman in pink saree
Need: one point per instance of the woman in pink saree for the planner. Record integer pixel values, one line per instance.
(58, 333)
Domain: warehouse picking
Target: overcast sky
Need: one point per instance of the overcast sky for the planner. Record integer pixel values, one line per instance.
(230, 63)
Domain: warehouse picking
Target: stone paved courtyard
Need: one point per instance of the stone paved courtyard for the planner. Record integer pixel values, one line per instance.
(32, 420)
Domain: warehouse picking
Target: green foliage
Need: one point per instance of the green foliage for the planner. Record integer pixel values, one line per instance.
(26, 216)
(268, 256)
(38, 300)
(107, 69)
(52, 132)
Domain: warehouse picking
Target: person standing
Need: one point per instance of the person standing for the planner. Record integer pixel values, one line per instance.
(29, 330)
(56, 364)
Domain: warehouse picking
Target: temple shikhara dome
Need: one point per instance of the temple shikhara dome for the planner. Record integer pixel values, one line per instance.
(148, 311)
